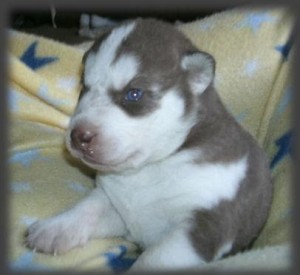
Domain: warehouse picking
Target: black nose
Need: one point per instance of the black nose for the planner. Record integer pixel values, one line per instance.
(81, 138)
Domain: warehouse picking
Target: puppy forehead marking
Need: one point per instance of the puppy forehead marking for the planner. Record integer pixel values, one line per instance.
(123, 70)
(97, 65)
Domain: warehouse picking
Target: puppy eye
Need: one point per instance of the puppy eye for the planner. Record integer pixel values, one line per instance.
(134, 95)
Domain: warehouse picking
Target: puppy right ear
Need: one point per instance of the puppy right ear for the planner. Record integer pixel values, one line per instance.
(200, 67)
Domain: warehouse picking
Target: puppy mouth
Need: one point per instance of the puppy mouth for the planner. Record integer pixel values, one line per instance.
(92, 157)
(91, 160)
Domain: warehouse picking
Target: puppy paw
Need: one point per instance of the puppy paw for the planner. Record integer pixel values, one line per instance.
(56, 235)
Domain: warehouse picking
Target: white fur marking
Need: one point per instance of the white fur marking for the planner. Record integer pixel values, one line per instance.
(68, 83)
(225, 248)
(97, 65)
(123, 71)
(173, 252)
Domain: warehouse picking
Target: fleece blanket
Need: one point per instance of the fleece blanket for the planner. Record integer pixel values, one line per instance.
(253, 50)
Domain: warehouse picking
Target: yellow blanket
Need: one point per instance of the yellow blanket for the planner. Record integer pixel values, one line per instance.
(252, 48)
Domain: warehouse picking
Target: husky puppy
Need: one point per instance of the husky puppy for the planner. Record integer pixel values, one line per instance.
(176, 173)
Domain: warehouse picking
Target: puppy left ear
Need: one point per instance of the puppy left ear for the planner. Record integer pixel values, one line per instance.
(201, 70)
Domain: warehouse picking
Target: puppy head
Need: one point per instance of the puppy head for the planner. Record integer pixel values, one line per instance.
(140, 89)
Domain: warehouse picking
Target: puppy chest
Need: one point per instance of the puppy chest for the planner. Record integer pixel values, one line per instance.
(147, 213)
(157, 199)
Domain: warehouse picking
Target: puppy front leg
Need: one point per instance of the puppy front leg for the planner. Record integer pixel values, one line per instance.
(174, 252)
(92, 217)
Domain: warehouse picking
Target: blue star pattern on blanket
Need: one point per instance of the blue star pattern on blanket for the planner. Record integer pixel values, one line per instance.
(251, 67)
(19, 187)
(117, 261)
(78, 187)
(25, 263)
(254, 20)
(284, 144)
(285, 48)
(26, 158)
(28, 220)
(240, 118)
(43, 93)
(15, 99)
(285, 100)
(207, 26)
(30, 58)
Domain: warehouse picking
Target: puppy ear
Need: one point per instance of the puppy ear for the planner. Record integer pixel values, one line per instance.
(201, 70)
(95, 45)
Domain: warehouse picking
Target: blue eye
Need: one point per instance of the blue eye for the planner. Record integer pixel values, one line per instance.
(134, 95)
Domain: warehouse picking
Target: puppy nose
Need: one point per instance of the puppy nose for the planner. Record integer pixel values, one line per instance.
(81, 138)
